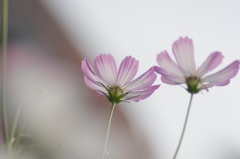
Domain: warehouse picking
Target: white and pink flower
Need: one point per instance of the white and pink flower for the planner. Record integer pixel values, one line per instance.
(185, 71)
(119, 85)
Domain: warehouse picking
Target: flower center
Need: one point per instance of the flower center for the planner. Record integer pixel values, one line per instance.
(115, 94)
(116, 90)
(194, 84)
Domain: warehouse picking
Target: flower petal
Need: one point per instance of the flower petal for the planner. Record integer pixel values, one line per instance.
(106, 68)
(167, 64)
(90, 73)
(225, 74)
(210, 63)
(127, 70)
(183, 52)
(160, 70)
(172, 80)
(142, 94)
(94, 87)
(219, 83)
(166, 78)
(142, 82)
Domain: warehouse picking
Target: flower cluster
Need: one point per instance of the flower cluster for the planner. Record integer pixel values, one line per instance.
(118, 85)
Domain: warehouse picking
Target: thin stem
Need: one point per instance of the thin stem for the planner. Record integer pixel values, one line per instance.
(12, 132)
(18, 136)
(4, 62)
(108, 128)
(184, 127)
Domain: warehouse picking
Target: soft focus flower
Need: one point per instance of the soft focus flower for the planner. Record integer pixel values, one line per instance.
(185, 72)
(118, 86)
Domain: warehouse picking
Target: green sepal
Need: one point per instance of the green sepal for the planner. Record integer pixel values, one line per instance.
(115, 94)
(193, 84)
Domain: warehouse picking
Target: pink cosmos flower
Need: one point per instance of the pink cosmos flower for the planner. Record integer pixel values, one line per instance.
(118, 86)
(185, 72)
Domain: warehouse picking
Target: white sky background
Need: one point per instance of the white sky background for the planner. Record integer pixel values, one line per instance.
(143, 29)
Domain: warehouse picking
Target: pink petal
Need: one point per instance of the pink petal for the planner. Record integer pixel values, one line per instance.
(167, 64)
(142, 82)
(183, 52)
(166, 78)
(220, 83)
(172, 80)
(89, 72)
(142, 94)
(210, 63)
(94, 87)
(127, 70)
(225, 74)
(160, 70)
(106, 68)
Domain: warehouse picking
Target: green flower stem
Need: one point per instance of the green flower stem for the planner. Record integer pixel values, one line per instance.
(184, 127)
(19, 134)
(108, 128)
(12, 133)
(4, 62)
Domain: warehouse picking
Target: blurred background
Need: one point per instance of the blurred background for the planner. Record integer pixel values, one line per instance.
(48, 39)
